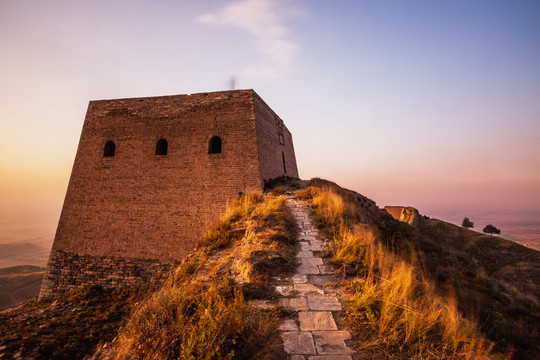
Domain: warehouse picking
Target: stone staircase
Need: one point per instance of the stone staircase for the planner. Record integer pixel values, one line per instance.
(312, 334)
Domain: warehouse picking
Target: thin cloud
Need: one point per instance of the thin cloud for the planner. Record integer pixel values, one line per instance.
(262, 19)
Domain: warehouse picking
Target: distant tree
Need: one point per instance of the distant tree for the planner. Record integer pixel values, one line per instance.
(490, 229)
(467, 223)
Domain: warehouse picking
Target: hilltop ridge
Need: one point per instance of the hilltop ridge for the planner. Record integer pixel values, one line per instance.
(486, 286)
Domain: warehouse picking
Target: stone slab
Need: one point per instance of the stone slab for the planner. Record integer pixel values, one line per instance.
(322, 279)
(298, 342)
(304, 254)
(289, 325)
(316, 320)
(332, 342)
(294, 304)
(324, 303)
(307, 289)
(284, 290)
(299, 279)
(311, 261)
(310, 248)
(317, 337)
(303, 269)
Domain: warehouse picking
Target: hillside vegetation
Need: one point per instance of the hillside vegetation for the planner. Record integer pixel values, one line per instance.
(68, 326)
(203, 311)
(433, 291)
(437, 291)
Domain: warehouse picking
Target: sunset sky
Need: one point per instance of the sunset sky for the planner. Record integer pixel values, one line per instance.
(433, 104)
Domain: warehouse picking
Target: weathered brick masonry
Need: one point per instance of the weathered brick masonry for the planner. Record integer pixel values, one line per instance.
(130, 214)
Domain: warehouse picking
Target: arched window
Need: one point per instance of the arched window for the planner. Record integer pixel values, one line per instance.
(214, 146)
(283, 159)
(161, 147)
(109, 149)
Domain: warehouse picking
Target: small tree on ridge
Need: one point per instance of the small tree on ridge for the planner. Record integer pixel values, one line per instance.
(467, 223)
(490, 229)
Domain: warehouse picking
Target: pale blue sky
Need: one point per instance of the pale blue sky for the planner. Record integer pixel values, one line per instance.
(434, 104)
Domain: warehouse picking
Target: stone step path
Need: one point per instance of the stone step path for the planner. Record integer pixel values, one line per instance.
(313, 334)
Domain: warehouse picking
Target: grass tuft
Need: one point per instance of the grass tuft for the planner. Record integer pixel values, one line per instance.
(228, 227)
(198, 321)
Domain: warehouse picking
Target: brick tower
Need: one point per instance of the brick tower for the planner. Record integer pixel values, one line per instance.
(152, 174)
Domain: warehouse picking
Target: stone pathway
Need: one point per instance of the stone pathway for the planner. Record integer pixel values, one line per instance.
(313, 335)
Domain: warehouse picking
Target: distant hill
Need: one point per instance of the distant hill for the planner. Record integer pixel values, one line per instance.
(19, 283)
(520, 227)
(22, 253)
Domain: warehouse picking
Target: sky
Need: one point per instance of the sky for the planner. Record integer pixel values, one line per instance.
(432, 104)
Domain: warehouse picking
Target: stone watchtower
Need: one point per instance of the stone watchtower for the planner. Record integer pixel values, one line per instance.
(152, 174)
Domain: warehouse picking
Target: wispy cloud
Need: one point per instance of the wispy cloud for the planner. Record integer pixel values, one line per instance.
(262, 19)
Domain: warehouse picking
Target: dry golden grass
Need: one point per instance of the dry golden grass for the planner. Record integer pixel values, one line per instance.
(392, 308)
(230, 226)
(268, 245)
(198, 321)
(201, 312)
(491, 280)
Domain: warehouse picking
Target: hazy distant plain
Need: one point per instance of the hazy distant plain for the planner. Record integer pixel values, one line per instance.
(30, 239)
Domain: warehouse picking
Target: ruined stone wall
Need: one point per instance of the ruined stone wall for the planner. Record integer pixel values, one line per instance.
(405, 214)
(69, 271)
(276, 150)
(137, 207)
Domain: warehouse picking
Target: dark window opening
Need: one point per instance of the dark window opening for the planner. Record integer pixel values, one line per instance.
(283, 159)
(109, 149)
(161, 147)
(281, 139)
(214, 146)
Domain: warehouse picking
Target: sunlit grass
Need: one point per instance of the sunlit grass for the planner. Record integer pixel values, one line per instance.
(392, 308)
(197, 321)
(201, 312)
(229, 228)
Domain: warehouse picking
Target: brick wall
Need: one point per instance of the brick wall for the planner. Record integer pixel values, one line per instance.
(139, 205)
(275, 143)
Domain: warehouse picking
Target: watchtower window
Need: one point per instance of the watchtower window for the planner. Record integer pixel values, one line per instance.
(109, 149)
(214, 146)
(281, 139)
(161, 147)
(284, 166)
